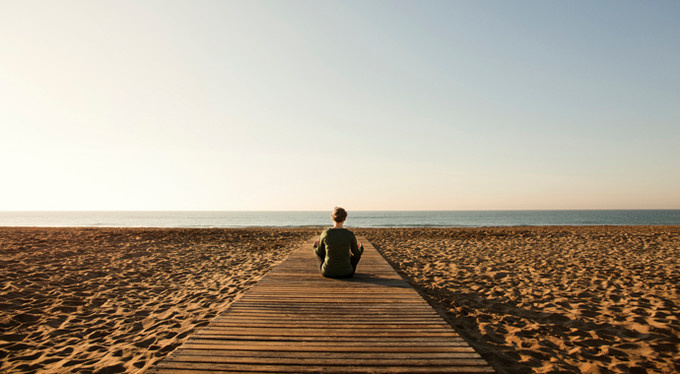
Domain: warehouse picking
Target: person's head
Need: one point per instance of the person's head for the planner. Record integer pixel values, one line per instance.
(339, 215)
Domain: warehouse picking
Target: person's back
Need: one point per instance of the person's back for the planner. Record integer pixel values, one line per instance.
(338, 249)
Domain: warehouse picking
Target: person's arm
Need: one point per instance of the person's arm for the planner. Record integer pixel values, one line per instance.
(354, 247)
(320, 250)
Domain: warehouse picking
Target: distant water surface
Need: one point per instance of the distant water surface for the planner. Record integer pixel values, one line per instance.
(355, 219)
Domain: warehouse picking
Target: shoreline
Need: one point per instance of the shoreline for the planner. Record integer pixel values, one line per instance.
(528, 298)
(359, 219)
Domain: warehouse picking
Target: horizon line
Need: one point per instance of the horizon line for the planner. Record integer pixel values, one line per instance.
(315, 210)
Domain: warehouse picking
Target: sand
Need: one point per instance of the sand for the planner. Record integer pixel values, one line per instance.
(546, 299)
(551, 299)
(115, 300)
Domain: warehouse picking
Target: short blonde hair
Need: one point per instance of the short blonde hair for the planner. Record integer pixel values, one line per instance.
(339, 214)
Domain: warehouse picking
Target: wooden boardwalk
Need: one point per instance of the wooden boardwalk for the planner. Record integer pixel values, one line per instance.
(295, 320)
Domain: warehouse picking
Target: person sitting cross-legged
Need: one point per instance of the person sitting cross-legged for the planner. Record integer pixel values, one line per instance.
(337, 248)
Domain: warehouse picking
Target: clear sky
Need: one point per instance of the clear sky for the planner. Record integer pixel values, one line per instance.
(372, 105)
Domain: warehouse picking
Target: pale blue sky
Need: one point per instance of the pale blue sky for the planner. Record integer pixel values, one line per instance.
(372, 105)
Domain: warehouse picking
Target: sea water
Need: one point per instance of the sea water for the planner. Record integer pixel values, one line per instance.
(356, 218)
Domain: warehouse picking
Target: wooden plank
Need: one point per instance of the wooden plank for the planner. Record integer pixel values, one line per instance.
(296, 321)
(287, 330)
(338, 339)
(328, 369)
(185, 357)
(315, 355)
(310, 332)
(404, 368)
(278, 324)
(326, 346)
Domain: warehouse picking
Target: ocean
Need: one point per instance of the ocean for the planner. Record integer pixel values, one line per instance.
(485, 218)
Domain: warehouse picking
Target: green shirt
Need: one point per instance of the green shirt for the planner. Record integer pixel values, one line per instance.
(335, 246)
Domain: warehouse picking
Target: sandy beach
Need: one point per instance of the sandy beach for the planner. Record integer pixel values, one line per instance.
(543, 299)
(551, 299)
(118, 300)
